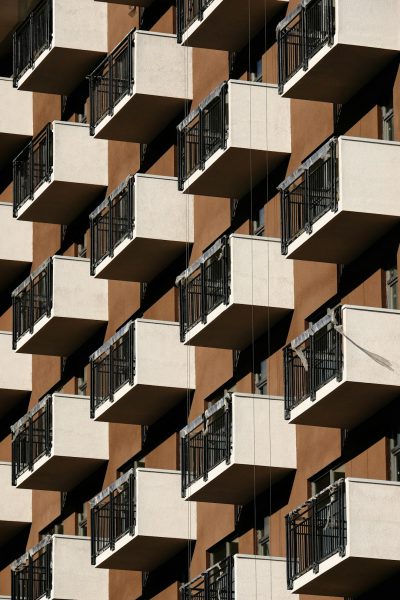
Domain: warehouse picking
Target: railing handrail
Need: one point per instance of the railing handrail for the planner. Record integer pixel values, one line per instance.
(185, 19)
(104, 389)
(116, 228)
(297, 39)
(31, 574)
(309, 192)
(205, 583)
(32, 167)
(107, 524)
(316, 530)
(34, 43)
(196, 304)
(32, 437)
(313, 359)
(203, 145)
(105, 90)
(211, 456)
(25, 312)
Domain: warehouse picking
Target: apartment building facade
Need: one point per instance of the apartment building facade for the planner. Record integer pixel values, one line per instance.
(200, 317)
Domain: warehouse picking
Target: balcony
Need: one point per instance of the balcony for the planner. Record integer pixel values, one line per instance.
(46, 569)
(57, 45)
(15, 375)
(131, 530)
(140, 373)
(229, 131)
(12, 13)
(53, 182)
(238, 288)
(241, 577)
(223, 24)
(56, 445)
(15, 506)
(344, 540)
(239, 447)
(333, 196)
(138, 89)
(15, 247)
(16, 119)
(328, 50)
(58, 307)
(343, 369)
(141, 228)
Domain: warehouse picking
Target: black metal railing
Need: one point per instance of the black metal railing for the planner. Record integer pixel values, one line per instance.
(217, 583)
(111, 80)
(302, 34)
(315, 531)
(202, 133)
(32, 300)
(112, 222)
(32, 38)
(204, 286)
(31, 575)
(113, 514)
(187, 12)
(205, 443)
(112, 366)
(312, 360)
(32, 167)
(31, 438)
(309, 193)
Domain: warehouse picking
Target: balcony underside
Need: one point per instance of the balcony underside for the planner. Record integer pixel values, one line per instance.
(343, 404)
(341, 237)
(226, 26)
(139, 404)
(10, 399)
(140, 553)
(11, 271)
(139, 259)
(234, 483)
(139, 118)
(59, 202)
(59, 70)
(336, 73)
(228, 174)
(10, 145)
(57, 336)
(58, 473)
(10, 529)
(231, 326)
(346, 577)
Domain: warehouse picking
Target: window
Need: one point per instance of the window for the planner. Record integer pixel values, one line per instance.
(392, 281)
(395, 456)
(81, 247)
(81, 382)
(262, 538)
(81, 521)
(258, 223)
(256, 69)
(223, 550)
(325, 480)
(387, 116)
(260, 378)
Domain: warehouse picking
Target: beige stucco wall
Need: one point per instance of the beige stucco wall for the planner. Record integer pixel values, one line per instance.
(15, 504)
(16, 369)
(162, 67)
(368, 23)
(161, 211)
(16, 111)
(175, 517)
(260, 578)
(76, 294)
(161, 359)
(89, 165)
(80, 24)
(260, 275)
(258, 117)
(16, 236)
